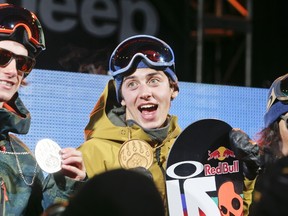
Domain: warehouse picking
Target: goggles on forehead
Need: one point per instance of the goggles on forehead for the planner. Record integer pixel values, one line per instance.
(13, 17)
(278, 90)
(154, 51)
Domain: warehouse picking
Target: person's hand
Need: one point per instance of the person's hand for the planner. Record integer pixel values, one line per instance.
(72, 164)
(247, 151)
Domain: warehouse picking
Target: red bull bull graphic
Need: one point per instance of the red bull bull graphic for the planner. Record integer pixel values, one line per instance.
(220, 154)
(213, 155)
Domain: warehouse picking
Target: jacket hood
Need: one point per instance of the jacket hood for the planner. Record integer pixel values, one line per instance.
(14, 117)
(99, 123)
(100, 126)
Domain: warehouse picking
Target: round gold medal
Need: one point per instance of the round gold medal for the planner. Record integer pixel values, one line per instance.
(135, 153)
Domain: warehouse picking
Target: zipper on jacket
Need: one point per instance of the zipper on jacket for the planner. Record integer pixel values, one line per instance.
(4, 197)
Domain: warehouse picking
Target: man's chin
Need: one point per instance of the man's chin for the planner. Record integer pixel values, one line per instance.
(5, 98)
(151, 125)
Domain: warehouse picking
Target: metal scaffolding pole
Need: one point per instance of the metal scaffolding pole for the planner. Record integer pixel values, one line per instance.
(199, 55)
(222, 22)
(248, 62)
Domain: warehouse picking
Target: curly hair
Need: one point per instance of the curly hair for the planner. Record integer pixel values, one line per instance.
(269, 142)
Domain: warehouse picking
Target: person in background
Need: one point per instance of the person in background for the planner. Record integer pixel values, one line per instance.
(24, 190)
(273, 142)
(272, 145)
(79, 59)
(274, 137)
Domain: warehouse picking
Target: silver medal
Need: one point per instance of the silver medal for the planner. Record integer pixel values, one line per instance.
(47, 154)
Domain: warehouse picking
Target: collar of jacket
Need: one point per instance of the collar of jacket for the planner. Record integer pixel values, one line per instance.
(14, 117)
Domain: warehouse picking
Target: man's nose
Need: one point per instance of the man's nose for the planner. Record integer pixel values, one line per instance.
(145, 91)
(11, 69)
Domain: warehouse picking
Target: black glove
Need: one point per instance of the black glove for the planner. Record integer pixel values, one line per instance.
(246, 151)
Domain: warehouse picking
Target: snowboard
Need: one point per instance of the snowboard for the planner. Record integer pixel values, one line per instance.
(203, 176)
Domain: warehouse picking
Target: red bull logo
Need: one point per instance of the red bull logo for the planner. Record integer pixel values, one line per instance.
(223, 167)
(220, 154)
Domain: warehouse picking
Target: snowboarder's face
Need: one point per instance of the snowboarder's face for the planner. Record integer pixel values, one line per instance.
(10, 77)
(147, 95)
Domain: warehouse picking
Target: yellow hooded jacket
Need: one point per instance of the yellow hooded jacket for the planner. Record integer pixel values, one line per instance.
(104, 140)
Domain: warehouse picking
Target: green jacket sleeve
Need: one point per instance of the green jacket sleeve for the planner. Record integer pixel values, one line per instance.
(59, 188)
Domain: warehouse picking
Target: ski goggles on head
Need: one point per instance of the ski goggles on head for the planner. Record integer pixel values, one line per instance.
(24, 64)
(154, 51)
(278, 91)
(13, 17)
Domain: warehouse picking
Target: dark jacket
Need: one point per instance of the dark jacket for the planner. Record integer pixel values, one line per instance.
(24, 190)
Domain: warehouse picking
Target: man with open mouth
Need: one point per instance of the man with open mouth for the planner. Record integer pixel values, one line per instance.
(130, 126)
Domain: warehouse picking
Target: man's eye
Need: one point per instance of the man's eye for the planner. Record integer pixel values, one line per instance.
(132, 84)
(154, 81)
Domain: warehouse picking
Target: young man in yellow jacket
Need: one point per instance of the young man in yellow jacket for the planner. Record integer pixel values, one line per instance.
(130, 125)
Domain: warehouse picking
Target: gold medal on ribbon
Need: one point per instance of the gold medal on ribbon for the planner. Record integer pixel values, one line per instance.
(135, 153)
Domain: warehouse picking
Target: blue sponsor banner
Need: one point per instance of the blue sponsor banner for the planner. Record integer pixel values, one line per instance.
(60, 104)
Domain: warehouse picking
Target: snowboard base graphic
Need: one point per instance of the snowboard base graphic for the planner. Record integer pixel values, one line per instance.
(203, 176)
